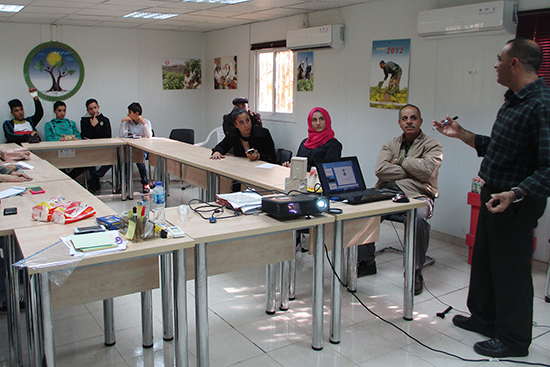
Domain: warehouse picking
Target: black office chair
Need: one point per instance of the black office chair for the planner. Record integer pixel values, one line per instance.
(283, 155)
(185, 136)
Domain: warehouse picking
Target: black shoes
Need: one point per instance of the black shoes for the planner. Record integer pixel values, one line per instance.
(365, 269)
(494, 348)
(468, 323)
(94, 184)
(418, 284)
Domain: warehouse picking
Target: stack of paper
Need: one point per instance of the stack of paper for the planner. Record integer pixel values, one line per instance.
(244, 201)
(92, 241)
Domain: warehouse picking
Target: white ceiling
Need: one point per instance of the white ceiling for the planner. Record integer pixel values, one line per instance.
(194, 17)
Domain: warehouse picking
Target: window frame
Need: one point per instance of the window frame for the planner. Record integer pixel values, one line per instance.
(274, 116)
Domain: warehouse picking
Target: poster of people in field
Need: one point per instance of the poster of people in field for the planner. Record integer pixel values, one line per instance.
(304, 71)
(389, 73)
(225, 72)
(181, 74)
(55, 70)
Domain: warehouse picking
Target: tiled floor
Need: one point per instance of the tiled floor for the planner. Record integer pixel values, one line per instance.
(242, 334)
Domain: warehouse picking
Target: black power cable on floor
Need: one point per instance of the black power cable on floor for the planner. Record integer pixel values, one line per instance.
(418, 341)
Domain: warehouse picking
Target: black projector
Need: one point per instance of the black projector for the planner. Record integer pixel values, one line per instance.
(292, 206)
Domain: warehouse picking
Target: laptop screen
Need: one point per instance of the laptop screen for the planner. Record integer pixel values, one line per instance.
(340, 176)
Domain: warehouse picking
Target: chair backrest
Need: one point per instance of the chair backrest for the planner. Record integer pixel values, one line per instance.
(219, 135)
(183, 135)
(283, 155)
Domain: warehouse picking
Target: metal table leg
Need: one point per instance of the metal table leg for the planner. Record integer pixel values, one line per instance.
(109, 322)
(47, 319)
(352, 269)
(345, 268)
(318, 277)
(270, 289)
(147, 318)
(12, 300)
(409, 254)
(201, 305)
(129, 173)
(166, 291)
(212, 182)
(285, 285)
(180, 308)
(34, 330)
(121, 169)
(292, 271)
(336, 299)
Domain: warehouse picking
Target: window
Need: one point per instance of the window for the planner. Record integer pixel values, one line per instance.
(535, 25)
(276, 82)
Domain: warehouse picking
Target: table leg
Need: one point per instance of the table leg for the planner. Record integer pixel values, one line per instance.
(180, 308)
(147, 318)
(352, 269)
(47, 319)
(292, 271)
(336, 299)
(201, 305)
(285, 286)
(121, 151)
(166, 291)
(109, 322)
(318, 277)
(410, 239)
(270, 289)
(212, 183)
(12, 299)
(345, 268)
(34, 336)
(129, 173)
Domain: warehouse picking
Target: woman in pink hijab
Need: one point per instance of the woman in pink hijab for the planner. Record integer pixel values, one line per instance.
(320, 143)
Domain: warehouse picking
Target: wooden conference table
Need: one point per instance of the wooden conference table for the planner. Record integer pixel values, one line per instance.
(269, 179)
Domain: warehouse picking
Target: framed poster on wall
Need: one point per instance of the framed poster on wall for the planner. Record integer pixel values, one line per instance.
(389, 86)
(55, 70)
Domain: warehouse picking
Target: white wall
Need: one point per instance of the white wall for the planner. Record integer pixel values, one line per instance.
(440, 83)
(121, 66)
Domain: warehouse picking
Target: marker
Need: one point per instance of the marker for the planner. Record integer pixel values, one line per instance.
(446, 122)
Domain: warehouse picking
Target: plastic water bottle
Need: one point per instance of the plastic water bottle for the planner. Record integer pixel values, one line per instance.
(159, 203)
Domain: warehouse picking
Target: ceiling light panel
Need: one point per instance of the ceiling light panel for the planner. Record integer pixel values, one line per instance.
(11, 8)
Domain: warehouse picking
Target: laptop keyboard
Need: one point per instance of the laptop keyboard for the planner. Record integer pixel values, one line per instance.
(366, 192)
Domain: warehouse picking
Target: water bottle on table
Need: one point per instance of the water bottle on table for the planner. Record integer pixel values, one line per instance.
(159, 204)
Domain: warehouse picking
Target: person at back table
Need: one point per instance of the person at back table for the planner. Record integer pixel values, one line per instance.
(320, 143)
(94, 125)
(409, 163)
(135, 125)
(62, 129)
(244, 137)
(240, 102)
(22, 129)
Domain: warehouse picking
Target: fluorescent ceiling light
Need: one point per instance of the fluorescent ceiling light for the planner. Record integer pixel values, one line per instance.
(11, 8)
(146, 15)
(216, 1)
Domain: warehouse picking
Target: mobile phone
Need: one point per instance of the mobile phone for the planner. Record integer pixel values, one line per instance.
(36, 190)
(10, 211)
(90, 229)
(250, 151)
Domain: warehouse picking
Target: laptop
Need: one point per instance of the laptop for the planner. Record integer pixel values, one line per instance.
(343, 179)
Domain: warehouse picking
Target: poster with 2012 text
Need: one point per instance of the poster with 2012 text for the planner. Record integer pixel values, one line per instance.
(389, 76)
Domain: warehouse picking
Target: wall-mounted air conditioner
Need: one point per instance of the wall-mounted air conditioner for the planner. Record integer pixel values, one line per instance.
(316, 37)
(495, 17)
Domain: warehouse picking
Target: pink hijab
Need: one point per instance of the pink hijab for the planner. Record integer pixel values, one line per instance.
(314, 138)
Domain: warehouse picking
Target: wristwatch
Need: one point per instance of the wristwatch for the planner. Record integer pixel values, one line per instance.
(519, 196)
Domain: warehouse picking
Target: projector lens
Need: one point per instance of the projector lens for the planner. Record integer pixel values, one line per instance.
(322, 204)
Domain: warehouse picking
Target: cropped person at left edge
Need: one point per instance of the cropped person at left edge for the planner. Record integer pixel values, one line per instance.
(245, 137)
(22, 129)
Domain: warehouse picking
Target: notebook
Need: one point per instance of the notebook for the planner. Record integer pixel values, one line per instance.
(343, 179)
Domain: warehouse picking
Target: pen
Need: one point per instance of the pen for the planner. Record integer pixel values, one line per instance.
(446, 122)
